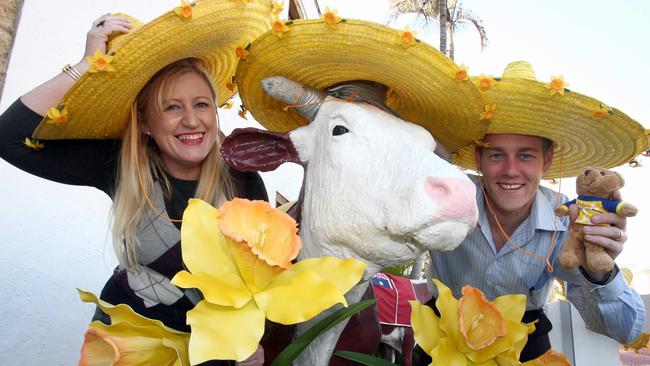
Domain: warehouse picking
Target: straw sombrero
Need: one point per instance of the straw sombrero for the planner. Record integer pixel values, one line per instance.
(98, 105)
(422, 82)
(586, 132)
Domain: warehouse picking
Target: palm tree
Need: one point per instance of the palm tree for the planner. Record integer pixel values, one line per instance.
(450, 14)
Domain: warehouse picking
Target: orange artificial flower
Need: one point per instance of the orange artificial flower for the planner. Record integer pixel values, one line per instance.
(486, 82)
(550, 358)
(461, 74)
(230, 86)
(329, 17)
(241, 52)
(557, 85)
(184, 11)
(279, 26)
(489, 111)
(481, 323)
(407, 37)
(242, 112)
(601, 112)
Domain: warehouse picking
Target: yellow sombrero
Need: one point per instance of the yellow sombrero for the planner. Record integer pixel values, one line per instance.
(98, 105)
(422, 82)
(585, 131)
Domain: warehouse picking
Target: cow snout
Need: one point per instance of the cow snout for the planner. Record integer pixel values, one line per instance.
(456, 197)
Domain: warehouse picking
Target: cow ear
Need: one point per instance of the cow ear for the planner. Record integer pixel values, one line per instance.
(252, 149)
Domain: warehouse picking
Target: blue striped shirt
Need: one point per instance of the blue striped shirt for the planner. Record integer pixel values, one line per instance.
(613, 309)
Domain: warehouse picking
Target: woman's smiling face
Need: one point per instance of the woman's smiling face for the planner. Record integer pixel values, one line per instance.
(186, 127)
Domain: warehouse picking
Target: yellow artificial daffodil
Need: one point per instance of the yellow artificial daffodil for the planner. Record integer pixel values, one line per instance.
(485, 82)
(184, 11)
(557, 85)
(550, 358)
(279, 26)
(278, 7)
(241, 52)
(100, 62)
(461, 74)
(330, 18)
(473, 330)
(481, 143)
(131, 339)
(57, 116)
(33, 144)
(407, 37)
(489, 111)
(601, 112)
(240, 257)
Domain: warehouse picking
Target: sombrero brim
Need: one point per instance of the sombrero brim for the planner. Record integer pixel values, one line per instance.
(582, 138)
(423, 87)
(99, 103)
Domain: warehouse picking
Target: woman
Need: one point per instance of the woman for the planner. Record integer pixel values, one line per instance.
(168, 146)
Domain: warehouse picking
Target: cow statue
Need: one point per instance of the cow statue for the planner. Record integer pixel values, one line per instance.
(373, 188)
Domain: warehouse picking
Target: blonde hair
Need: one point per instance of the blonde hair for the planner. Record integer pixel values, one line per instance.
(140, 164)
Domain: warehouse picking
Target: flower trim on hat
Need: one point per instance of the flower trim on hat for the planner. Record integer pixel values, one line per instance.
(278, 7)
(279, 26)
(185, 10)
(481, 143)
(100, 62)
(602, 112)
(461, 74)
(407, 37)
(228, 104)
(33, 144)
(242, 52)
(489, 111)
(330, 18)
(57, 115)
(242, 112)
(485, 82)
(230, 86)
(557, 85)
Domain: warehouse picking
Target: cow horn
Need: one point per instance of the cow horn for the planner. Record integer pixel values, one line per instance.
(294, 93)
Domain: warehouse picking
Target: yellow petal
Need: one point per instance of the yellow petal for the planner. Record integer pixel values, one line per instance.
(446, 354)
(255, 272)
(226, 289)
(224, 333)
(123, 313)
(512, 307)
(481, 323)
(449, 318)
(294, 297)
(271, 233)
(550, 358)
(204, 247)
(342, 273)
(426, 326)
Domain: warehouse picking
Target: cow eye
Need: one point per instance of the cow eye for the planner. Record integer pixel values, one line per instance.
(339, 130)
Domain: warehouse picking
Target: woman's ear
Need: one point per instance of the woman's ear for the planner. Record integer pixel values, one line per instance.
(144, 128)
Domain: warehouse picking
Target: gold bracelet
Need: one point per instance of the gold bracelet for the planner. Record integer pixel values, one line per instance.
(71, 71)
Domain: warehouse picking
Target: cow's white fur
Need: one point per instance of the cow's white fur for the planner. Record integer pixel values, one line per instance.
(364, 197)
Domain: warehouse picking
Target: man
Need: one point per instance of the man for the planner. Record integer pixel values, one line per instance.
(516, 245)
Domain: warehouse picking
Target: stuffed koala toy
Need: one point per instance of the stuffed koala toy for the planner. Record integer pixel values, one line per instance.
(594, 187)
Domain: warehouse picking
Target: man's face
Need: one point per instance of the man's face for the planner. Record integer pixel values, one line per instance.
(512, 168)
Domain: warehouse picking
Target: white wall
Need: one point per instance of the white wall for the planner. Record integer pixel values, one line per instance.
(54, 238)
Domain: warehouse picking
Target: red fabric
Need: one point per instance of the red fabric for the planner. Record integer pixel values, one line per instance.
(393, 294)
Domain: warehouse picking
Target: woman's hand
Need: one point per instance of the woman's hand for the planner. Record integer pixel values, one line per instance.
(97, 36)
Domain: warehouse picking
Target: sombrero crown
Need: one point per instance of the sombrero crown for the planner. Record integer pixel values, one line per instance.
(421, 81)
(585, 131)
(99, 103)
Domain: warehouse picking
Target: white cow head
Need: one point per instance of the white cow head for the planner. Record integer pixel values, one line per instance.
(373, 187)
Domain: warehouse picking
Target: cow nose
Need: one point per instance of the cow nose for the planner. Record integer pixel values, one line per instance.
(455, 196)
